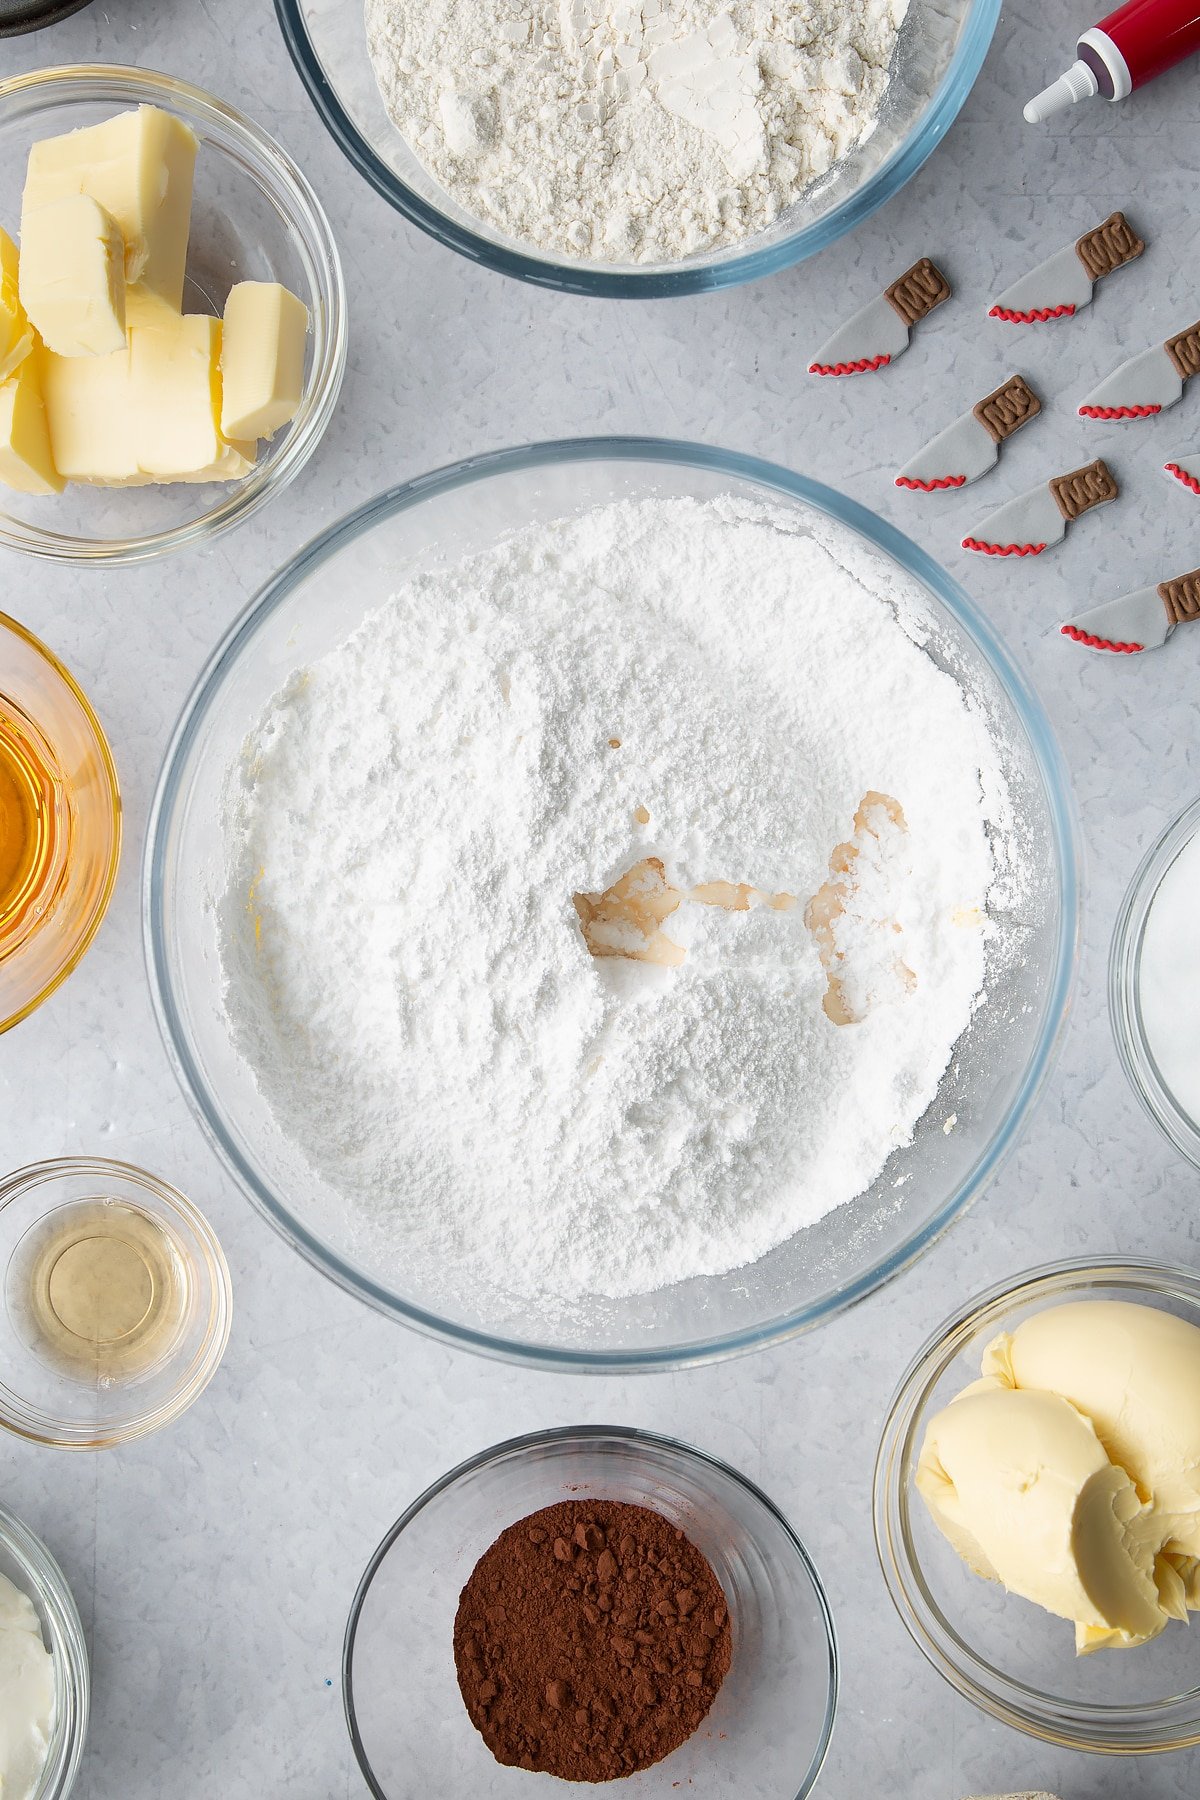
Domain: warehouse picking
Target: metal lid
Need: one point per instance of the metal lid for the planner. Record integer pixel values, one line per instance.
(17, 16)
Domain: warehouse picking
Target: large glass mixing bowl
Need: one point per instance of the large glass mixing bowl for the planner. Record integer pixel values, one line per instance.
(939, 53)
(999, 1062)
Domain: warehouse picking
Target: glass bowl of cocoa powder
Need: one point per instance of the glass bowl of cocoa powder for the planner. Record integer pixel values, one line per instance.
(748, 1583)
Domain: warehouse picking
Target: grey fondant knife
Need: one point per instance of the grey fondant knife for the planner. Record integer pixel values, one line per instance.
(969, 448)
(1147, 383)
(879, 332)
(1140, 621)
(1033, 521)
(1065, 281)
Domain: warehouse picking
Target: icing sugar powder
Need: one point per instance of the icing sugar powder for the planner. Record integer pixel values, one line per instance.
(631, 130)
(709, 695)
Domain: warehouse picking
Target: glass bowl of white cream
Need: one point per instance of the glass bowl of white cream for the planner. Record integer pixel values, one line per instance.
(42, 1724)
(1154, 983)
(1005, 1653)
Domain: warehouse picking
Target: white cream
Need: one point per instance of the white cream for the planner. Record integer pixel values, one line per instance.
(27, 1698)
(1169, 980)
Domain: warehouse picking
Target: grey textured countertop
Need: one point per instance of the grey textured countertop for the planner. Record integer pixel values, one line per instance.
(214, 1564)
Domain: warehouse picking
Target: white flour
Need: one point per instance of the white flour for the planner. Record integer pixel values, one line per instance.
(406, 974)
(631, 130)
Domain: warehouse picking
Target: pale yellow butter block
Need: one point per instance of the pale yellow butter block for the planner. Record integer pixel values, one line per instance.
(26, 462)
(235, 461)
(72, 280)
(139, 166)
(91, 418)
(175, 380)
(262, 359)
(16, 334)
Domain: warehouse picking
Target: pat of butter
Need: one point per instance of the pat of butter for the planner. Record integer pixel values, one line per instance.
(72, 279)
(26, 462)
(90, 417)
(139, 166)
(262, 359)
(175, 395)
(16, 337)
(1024, 1490)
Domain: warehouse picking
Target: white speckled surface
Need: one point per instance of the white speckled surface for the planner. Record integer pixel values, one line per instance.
(214, 1565)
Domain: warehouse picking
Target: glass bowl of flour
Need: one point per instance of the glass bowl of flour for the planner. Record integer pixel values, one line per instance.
(611, 903)
(666, 147)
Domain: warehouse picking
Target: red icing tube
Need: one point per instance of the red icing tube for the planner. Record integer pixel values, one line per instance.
(1124, 51)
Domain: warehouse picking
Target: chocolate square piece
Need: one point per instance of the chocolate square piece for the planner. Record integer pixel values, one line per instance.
(1083, 488)
(918, 291)
(1181, 597)
(1007, 408)
(1109, 246)
(1184, 351)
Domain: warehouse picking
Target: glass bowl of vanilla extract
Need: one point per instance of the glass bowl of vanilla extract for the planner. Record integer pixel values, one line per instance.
(117, 1303)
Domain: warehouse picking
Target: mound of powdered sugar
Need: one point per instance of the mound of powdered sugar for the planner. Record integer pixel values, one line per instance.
(712, 685)
(631, 130)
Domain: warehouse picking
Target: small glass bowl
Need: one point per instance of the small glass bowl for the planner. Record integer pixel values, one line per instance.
(110, 1398)
(254, 217)
(29, 1566)
(1002, 1652)
(938, 55)
(54, 710)
(1124, 988)
(770, 1724)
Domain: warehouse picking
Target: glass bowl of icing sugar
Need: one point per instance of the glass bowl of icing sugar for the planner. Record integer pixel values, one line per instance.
(638, 151)
(611, 904)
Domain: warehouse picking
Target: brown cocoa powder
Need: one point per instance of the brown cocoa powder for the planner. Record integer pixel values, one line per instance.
(590, 1640)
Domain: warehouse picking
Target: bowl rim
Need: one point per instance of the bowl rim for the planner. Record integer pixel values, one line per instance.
(942, 109)
(1101, 1729)
(38, 1428)
(109, 770)
(883, 537)
(583, 1435)
(1124, 986)
(59, 1617)
(93, 82)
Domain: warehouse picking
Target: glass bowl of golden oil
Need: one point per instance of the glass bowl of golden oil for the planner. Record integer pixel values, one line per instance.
(60, 822)
(117, 1303)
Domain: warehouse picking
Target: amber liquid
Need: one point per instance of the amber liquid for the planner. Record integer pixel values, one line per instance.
(34, 826)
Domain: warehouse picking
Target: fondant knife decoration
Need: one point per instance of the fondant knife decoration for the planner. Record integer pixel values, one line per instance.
(969, 448)
(1141, 621)
(1032, 522)
(1065, 282)
(1148, 383)
(1184, 467)
(879, 333)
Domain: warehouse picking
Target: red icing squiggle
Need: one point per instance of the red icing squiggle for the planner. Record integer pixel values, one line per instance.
(1189, 481)
(928, 487)
(861, 367)
(1099, 643)
(1118, 412)
(971, 543)
(1037, 316)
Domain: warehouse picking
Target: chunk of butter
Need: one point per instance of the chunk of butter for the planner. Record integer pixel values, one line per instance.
(72, 276)
(91, 421)
(139, 166)
(26, 462)
(1024, 1490)
(175, 395)
(262, 359)
(16, 336)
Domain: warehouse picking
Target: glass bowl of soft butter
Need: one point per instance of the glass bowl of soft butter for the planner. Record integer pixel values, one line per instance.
(1100, 1357)
(253, 219)
(31, 1730)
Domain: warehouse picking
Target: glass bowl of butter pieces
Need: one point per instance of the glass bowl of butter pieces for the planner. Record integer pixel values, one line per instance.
(1037, 1504)
(172, 316)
